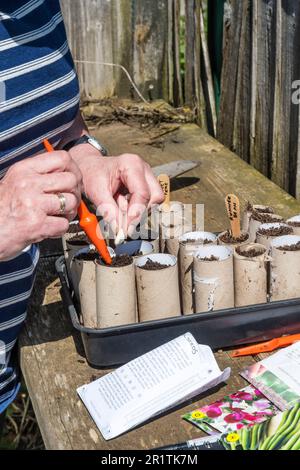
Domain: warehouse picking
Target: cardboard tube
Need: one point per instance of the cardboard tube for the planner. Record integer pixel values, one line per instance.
(250, 275)
(172, 236)
(255, 224)
(156, 245)
(86, 284)
(72, 248)
(233, 245)
(74, 229)
(152, 237)
(115, 295)
(158, 291)
(295, 223)
(189, 244)
(214, 288)
(265, 239)
(174, 222)
(285, 272)
(249, 211)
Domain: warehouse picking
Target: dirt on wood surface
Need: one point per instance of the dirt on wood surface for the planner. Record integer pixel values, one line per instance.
(153, 266)
(275, 231)
(121, 261)
(295, 247)
(157, 119)
(228, 238)
(252, 253)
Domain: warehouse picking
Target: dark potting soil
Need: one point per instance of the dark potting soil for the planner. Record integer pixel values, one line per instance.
(228, 238)
(121, 261)
(266, 210)
(249, 253)
(295, 247)
(92, 256)
(276, 231)
(79, 240)
(210, 258)
(74, 228)
(154, 266)
(200, 241)
(294, 224)
(265, 218)
(249, 207)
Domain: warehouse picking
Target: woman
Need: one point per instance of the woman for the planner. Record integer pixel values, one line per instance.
(39, 193)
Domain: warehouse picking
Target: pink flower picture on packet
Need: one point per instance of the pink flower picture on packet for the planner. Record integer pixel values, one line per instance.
(243, 408)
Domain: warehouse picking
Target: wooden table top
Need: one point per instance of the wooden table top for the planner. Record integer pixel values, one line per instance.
(52, 356)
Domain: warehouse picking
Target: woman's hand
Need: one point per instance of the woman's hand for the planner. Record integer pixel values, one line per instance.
(30, 206)
(122, 188)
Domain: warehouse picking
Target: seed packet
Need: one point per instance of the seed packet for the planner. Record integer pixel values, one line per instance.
(282, 432)
(243, 408)
(278, 376)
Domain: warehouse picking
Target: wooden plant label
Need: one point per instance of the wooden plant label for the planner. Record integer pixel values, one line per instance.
(233, 210)
(164, 181)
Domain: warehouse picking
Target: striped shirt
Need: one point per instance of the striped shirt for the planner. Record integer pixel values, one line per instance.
(39, 98)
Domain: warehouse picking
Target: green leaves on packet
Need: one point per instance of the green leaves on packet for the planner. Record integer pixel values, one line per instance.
(282, 432)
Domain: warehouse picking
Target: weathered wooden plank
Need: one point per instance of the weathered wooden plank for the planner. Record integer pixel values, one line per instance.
(292, 32)
(241, 124)
(197, 70)
(258, 119)
(189, 79)
(207, 78)
(263, 72)
(174, 51)
(232, 33)
(99, 33)
(150, 54)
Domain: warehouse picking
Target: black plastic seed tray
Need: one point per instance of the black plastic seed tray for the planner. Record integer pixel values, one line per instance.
(221, 329)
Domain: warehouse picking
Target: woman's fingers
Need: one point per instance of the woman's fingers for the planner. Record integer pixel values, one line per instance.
(55, 227)
(59, 183)
(156, 192)
(52, 204)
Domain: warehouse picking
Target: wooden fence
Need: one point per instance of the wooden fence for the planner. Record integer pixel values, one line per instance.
(149, 39)
(163, 46)
(261, 61)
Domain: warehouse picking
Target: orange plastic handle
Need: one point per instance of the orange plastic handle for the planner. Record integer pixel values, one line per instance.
(89, 223)
(268, 346)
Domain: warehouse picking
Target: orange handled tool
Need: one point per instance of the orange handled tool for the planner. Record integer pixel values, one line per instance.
(268, 346)
(89, 223)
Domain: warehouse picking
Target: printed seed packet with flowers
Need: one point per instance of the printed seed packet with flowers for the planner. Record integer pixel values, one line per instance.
(246, 407)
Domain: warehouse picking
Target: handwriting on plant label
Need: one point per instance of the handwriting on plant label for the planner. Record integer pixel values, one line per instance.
(233, 212)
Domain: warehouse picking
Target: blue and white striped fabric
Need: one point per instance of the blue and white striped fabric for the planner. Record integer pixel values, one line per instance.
(41, 101)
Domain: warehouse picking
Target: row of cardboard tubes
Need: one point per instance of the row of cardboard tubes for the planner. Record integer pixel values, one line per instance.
(202, 274)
